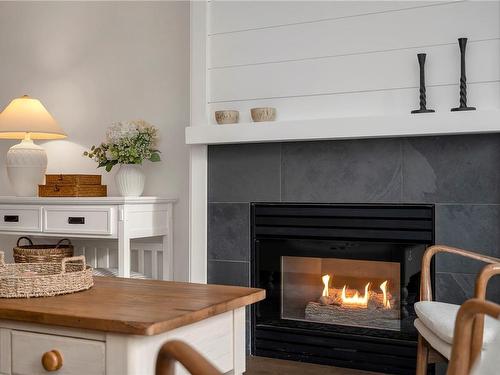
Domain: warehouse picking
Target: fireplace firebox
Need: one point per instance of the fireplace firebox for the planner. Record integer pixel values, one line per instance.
(341, 281)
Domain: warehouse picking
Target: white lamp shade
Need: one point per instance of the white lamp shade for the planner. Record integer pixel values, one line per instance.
(28, 115)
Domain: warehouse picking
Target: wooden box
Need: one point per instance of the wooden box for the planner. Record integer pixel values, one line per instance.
(72, 179)
(72, 191)
(72, 185)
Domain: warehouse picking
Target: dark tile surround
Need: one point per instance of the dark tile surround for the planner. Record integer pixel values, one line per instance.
(460, 174)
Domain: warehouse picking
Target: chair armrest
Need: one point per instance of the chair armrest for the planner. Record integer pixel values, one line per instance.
(425, 281)
(482, 279)
(193, 361)
(461, 360)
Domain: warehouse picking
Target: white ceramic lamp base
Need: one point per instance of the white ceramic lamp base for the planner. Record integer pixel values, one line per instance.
(26, 166)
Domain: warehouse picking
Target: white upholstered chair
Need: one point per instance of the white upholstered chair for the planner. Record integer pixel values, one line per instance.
(488, 363)
(436, 320)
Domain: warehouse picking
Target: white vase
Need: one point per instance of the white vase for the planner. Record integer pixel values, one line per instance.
(130, 180)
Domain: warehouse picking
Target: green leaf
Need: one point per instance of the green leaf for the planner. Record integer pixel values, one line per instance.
(109, 165)
(155, 157)
(102, 164)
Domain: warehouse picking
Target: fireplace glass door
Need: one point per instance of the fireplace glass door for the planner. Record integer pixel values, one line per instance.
(349, 292)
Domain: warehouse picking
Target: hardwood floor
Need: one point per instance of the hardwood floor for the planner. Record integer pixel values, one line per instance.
(271, 366)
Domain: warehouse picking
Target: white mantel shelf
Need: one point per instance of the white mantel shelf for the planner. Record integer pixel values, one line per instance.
(411, 125)
(78, 201)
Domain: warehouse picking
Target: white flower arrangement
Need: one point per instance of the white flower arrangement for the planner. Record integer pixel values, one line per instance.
(128, 142)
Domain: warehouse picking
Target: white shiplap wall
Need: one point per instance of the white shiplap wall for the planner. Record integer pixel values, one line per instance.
(331, 59)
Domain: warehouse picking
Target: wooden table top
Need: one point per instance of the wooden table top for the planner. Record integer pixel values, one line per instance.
(131, 306)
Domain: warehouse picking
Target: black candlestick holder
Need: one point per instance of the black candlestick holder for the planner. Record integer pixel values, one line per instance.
(423, 95)
(462, 43)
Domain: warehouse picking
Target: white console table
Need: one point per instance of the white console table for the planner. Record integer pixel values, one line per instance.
(107, 218)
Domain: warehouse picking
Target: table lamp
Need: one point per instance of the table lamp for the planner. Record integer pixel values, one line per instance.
(27, 119)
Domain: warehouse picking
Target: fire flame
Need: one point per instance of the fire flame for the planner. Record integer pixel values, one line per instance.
(383, 288)
(356, 299)
(326, 280)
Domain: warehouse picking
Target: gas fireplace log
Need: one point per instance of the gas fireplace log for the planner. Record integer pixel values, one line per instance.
(332, 309)
(372, 316)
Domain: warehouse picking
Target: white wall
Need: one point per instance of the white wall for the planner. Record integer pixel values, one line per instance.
(349, 58)
(93, 63)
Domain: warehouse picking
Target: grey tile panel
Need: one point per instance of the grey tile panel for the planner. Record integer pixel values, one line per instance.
(228, 273)
(229, 231)
(342, 171)
(452, 169)
(473, 227)
(458, 287)
(244, 172)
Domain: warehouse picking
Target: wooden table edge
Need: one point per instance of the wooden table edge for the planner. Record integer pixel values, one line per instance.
(132, 328)
(221, 308)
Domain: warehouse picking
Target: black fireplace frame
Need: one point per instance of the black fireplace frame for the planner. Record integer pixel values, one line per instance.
(338, 345)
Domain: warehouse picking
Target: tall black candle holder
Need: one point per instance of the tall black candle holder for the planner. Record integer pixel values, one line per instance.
(462, 43)
(423, 95)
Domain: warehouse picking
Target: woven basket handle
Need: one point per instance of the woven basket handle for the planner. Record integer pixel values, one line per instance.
(72, 259)
(60, 242)
(2, 259)
(24, 238)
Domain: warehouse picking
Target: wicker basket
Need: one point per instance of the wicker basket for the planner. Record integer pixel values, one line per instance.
(24, 280)
(42, 253)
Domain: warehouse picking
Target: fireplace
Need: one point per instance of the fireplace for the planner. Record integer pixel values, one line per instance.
(341, 281)
(356, 293)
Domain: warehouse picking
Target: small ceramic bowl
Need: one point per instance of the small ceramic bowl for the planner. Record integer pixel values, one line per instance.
(263, 114)
(227, 117)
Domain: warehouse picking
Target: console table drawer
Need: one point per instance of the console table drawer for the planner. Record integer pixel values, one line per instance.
(89, 220)
(19, 218)
(74, 356)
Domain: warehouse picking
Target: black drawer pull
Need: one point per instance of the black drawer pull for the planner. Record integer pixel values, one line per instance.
(11, 218)
(76, 220)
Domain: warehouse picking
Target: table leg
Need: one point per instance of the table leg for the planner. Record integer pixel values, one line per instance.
(123, 252)
(168, 249)
(168, 259)
(239, 342)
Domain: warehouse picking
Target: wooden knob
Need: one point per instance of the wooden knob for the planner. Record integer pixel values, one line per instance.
(52, 361)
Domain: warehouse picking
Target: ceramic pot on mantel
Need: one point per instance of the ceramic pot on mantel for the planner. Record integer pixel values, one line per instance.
(130, 180)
